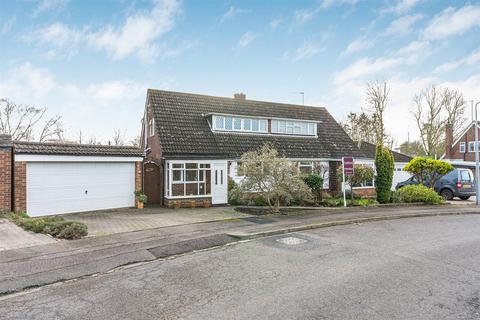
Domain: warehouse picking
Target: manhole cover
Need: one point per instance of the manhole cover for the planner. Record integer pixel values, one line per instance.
(292, 241)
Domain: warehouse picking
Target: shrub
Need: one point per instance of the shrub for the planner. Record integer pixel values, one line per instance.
(260, 201)
(384, 165)
(395, 197)
(72, 230)
(333, 202)
(34, 225)
(314, 182)
(365, 202)
(428, 171)
(419, 193)
(231, 184)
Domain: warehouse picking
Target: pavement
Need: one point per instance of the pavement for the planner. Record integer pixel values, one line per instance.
(14, 237)
(101, 223)
(419, 268)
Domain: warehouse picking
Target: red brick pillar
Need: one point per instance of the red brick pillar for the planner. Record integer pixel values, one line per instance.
(20, 178)
(138, 176)
(333, 184)
(5, 173)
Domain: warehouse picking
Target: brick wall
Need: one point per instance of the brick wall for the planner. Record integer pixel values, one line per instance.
(188, 203)
(365, 192)
(455, 151)
(138, 176)
(334, 184)
(20, 178)
(5, 179)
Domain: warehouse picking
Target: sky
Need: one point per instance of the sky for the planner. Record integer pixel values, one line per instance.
(91, 62)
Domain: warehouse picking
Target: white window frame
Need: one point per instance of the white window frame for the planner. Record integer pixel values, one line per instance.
(305, 164)
(470, 144)
(462, 147)
(292, 127)
(262, 124)
(151, 127)
(183, 181)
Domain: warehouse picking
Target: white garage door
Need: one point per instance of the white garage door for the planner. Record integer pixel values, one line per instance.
(63, 187)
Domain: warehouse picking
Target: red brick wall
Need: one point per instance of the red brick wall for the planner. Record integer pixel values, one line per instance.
(5, 179)
(365, 192)
(455, 151)
(138, 176)
(334, 184)
(20, 178)
(188, 203)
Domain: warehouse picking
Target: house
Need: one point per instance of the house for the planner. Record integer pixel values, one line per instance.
(193, 143)
(56, 178)
(460, 152)
(399, 174)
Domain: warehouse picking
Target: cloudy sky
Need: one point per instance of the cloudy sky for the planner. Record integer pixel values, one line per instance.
(92, 61)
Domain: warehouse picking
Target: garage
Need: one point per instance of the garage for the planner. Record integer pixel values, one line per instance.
(64, 187)
(58, 178)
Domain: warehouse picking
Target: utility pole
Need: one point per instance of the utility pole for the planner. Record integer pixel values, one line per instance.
(477, 164)
(303, 97)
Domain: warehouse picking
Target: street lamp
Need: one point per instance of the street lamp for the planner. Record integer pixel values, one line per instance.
(477, 164)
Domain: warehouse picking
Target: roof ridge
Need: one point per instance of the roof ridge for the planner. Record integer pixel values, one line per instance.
(233, 99)
(72, 144)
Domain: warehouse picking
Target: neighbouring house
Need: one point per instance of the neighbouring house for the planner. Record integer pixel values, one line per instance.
(460, 152)
(193, 143)
(56, 178)
(399, 174)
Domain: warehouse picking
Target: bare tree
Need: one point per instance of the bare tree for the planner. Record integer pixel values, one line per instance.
(21, 122)
(434, 108)
(118, 138)
(377, 99)
(360, 127)
(135, 141)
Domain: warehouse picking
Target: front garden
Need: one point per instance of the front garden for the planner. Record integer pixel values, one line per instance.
(273, 181)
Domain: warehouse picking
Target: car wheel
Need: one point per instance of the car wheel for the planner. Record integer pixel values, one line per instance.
(464, 197)
(446, 194)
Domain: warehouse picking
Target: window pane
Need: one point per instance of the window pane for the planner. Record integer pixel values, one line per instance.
(201, 175)
(177, 175)
(204, 165)
(177, 165)
(311, 129)
(228, 123)
(201, 189)
(263, 125)
(191, 165)
(255, 125)
(247, 124)
(178, 189)
(207, 182)
(282, 126)
(191, 175)
(237, 124)
(289, 127)
(219, 122)
(191, 189)
(274, 125)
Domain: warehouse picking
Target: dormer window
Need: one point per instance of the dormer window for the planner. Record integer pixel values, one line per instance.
(264, 125)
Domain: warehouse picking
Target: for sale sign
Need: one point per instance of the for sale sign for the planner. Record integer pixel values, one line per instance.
(347, 166)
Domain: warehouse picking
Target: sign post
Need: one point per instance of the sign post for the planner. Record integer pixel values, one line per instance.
(347, 170)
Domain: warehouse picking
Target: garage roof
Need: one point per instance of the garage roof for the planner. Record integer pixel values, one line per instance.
(51, 148)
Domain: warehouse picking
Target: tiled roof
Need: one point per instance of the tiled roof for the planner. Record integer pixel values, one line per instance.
(181, 121)
(22, 147)
(369, 150)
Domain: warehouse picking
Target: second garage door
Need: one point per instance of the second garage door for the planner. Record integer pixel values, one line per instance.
(65, 187)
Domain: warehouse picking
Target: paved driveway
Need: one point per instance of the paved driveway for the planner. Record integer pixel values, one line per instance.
(14, 237)
(126, 220)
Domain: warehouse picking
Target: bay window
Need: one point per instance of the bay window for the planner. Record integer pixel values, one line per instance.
(189, 179)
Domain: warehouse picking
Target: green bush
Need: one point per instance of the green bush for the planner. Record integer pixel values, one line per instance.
(419, 193)
(428, 171)
(71, 230)
(260, 201)
(384, 165)
(395, 197)
(34, 225)
(333, 202)
(365, 202)
(231, 184)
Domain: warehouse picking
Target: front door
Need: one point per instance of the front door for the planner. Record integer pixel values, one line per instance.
(152, 184)
(219, 183)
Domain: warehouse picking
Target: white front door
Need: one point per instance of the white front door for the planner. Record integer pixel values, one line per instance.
(219, 183)
(63, 187)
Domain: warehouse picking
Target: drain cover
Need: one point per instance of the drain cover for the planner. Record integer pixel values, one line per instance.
(291, 241)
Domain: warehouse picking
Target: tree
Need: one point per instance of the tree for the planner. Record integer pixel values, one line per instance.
(384, 165)
(315, 183)
(427, 171)
(413, 149)
(273, 177)
(377, 98)
(118, 138)
(361, 174)
(27, 122)
(434, 108)
(360, 127)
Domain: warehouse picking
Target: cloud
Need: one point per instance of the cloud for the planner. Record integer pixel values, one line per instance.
(49, 5)
(245, 39)
(138, 34)
(414, 51)
(472, 59)
(359, 44)
(402, 7)
(231, 13)
(275, 23)
(364, 67)
(325, 4)
(306, 51)
(6, 27)
(453, 22)
(57, 35)
(403, 25)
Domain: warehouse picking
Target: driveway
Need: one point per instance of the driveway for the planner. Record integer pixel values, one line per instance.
(14, 237)
(463, 202)
(126, 220)
(420, 268)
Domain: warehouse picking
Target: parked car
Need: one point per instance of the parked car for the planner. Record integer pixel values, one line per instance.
(457, 183)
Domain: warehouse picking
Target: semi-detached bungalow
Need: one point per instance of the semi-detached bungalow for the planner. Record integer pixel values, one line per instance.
(193, 143)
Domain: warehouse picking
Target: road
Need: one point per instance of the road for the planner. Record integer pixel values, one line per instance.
(418, 268)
